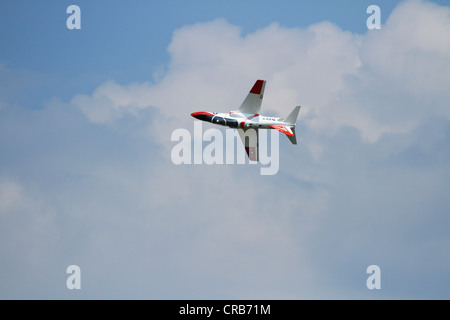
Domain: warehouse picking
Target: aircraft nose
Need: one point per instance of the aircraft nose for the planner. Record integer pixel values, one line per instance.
(202, 115)
(195, 114)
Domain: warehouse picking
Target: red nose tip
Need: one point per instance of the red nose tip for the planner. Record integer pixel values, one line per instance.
(202, 115)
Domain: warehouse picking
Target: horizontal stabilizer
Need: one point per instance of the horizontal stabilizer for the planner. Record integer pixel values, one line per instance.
(283, 129)
(289, 131)
(293, 138)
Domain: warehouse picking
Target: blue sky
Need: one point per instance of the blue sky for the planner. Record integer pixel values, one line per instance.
(128, 41)
(86, 176)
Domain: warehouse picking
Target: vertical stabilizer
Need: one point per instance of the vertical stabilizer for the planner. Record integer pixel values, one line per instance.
(292, 117)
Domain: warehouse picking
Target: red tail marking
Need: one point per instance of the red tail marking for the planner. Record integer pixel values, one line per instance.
(282, 129)
(257, 87)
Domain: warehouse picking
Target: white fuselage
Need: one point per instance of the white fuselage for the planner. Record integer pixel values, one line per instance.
(246, 120)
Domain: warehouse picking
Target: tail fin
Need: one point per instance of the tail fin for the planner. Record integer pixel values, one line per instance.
(292, 117)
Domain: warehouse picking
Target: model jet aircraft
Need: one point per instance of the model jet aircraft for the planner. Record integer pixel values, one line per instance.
(248, 117)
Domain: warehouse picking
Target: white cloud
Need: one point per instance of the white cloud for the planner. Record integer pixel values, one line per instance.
(10, 195)
(325, 211)
(407, 68)
(340, 78)
(89, 190)
(111, 101)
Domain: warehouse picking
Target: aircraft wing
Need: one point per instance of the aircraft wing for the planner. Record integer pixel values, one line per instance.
(250, 140)
(252, 103)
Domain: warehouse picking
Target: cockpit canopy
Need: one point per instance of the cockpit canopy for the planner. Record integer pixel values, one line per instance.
(224, 121)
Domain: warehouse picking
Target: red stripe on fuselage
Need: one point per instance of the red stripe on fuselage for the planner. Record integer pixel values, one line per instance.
(249, 118)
